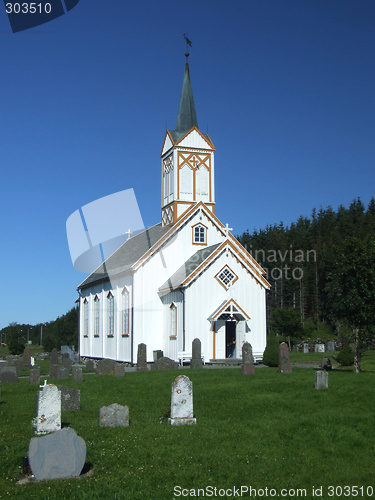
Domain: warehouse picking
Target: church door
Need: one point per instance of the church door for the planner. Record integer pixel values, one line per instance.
(230, 339)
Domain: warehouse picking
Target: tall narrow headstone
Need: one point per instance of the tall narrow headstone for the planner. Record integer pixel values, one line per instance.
(321, 380)
(66, 362)
(26, 360)
(34, 376)
(182, 402)
(247, 366)
(142, 358)
(305, 348)
(196, 359)
(54, 356)
(49, 410)
(285, 366)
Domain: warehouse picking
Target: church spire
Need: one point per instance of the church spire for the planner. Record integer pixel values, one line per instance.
(187, 117)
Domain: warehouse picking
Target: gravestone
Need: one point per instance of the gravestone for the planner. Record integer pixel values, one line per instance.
(320, 348)
(321, 380)
(105, 367)
(34, 376)
(114, 415)
(54, 356)
(54, 370)
(67, 362)
(26, 358)
(305, 348)
(10, 360)
(58, 455)
(8, 375)
(77, 374)
(285, 366)
(3, 364)
(182, 402)
(326, 364)
(89, 365)
(18, 363)
(119, 370)
(247, 366)
(62, 373)
(164, 363)
(49, 409)
(141, 358)
(196, 358)
(157, 354)
(70, 398)
(331, 346)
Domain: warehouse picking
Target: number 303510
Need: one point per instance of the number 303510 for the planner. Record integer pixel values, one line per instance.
(28, 8)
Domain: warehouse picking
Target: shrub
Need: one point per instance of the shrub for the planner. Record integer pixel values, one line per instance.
(271, 352)
(346, 356)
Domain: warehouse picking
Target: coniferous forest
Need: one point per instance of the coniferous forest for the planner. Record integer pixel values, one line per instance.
(321, 270)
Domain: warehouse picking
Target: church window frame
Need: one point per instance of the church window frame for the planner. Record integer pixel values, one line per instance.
(199, 234)
(96, 316)
(85, 317)
(173, 318)
(226, 277)
(111, 314)
(125, 312)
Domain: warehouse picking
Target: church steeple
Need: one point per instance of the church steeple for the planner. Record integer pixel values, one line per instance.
(187, 116)
(187, 161)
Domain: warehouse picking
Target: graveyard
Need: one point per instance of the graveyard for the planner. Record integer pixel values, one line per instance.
(262, 430)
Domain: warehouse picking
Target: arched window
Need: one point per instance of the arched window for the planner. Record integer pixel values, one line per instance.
(96, 316)
(173, 309)
(111, 314)
(85, 317)
(199, 234)
(125, 312)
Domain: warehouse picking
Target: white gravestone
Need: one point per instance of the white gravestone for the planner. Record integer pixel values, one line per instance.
(182, 402)
(321, 380)
(49, 409)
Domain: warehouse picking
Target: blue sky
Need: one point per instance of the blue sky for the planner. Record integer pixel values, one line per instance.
(285, 88)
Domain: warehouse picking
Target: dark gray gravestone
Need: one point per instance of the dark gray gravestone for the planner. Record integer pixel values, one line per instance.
(66, 362)
(285, 366)
(54, 371)
(3, 364)
(196, 354)
(10, 360)
(157, 354)
(8, 375)
(105, 367)
(54, 357)
(326, 364)
(70, 398)
(62, 373)
(119, 370)
(142, 358)
(321, 380)
(34, 376)
(89, 365)
(165, 363)
(114, 415)
(18, 363)
(247, 366)
(61, 454)
(77, 374)
(331, 346)
(26, 359)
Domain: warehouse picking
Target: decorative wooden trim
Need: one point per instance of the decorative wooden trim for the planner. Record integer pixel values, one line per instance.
(208, 141)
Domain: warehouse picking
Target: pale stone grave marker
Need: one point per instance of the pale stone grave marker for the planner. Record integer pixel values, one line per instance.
(247, 366)
(321, 380)
(182, 402)
(114, 415)
(49, 409)
(305, 348)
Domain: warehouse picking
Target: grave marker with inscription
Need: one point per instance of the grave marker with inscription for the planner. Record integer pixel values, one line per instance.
(182, 402)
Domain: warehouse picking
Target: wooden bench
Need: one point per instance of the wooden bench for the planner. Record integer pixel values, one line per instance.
(186, 356)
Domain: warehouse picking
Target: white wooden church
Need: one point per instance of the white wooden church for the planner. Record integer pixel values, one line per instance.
(186, 277)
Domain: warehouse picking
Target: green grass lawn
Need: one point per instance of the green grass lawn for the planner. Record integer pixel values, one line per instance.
(270, 431)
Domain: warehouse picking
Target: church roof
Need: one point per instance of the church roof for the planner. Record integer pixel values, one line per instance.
(126, 255)
(187, 268)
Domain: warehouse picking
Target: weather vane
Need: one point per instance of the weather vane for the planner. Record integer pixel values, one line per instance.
(188, 43)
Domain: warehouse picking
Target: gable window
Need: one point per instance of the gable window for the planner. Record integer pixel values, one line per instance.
(96, 316)
(111, 314)
(173, 332)
(85, 318)
(226, 277)
(125, 312)
(199, 234)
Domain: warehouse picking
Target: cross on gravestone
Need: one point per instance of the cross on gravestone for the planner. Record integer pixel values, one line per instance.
(247, 366)
(182, 402)
(196, 359)
(49, 409)
(285, 366)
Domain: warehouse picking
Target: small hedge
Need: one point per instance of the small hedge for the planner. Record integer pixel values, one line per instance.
(271, 352)
(346, 356)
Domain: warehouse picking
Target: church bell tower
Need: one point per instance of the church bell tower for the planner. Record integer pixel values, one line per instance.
(187, 161)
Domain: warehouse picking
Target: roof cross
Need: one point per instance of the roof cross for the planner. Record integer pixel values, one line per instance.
(128, 232)
(227, 229)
